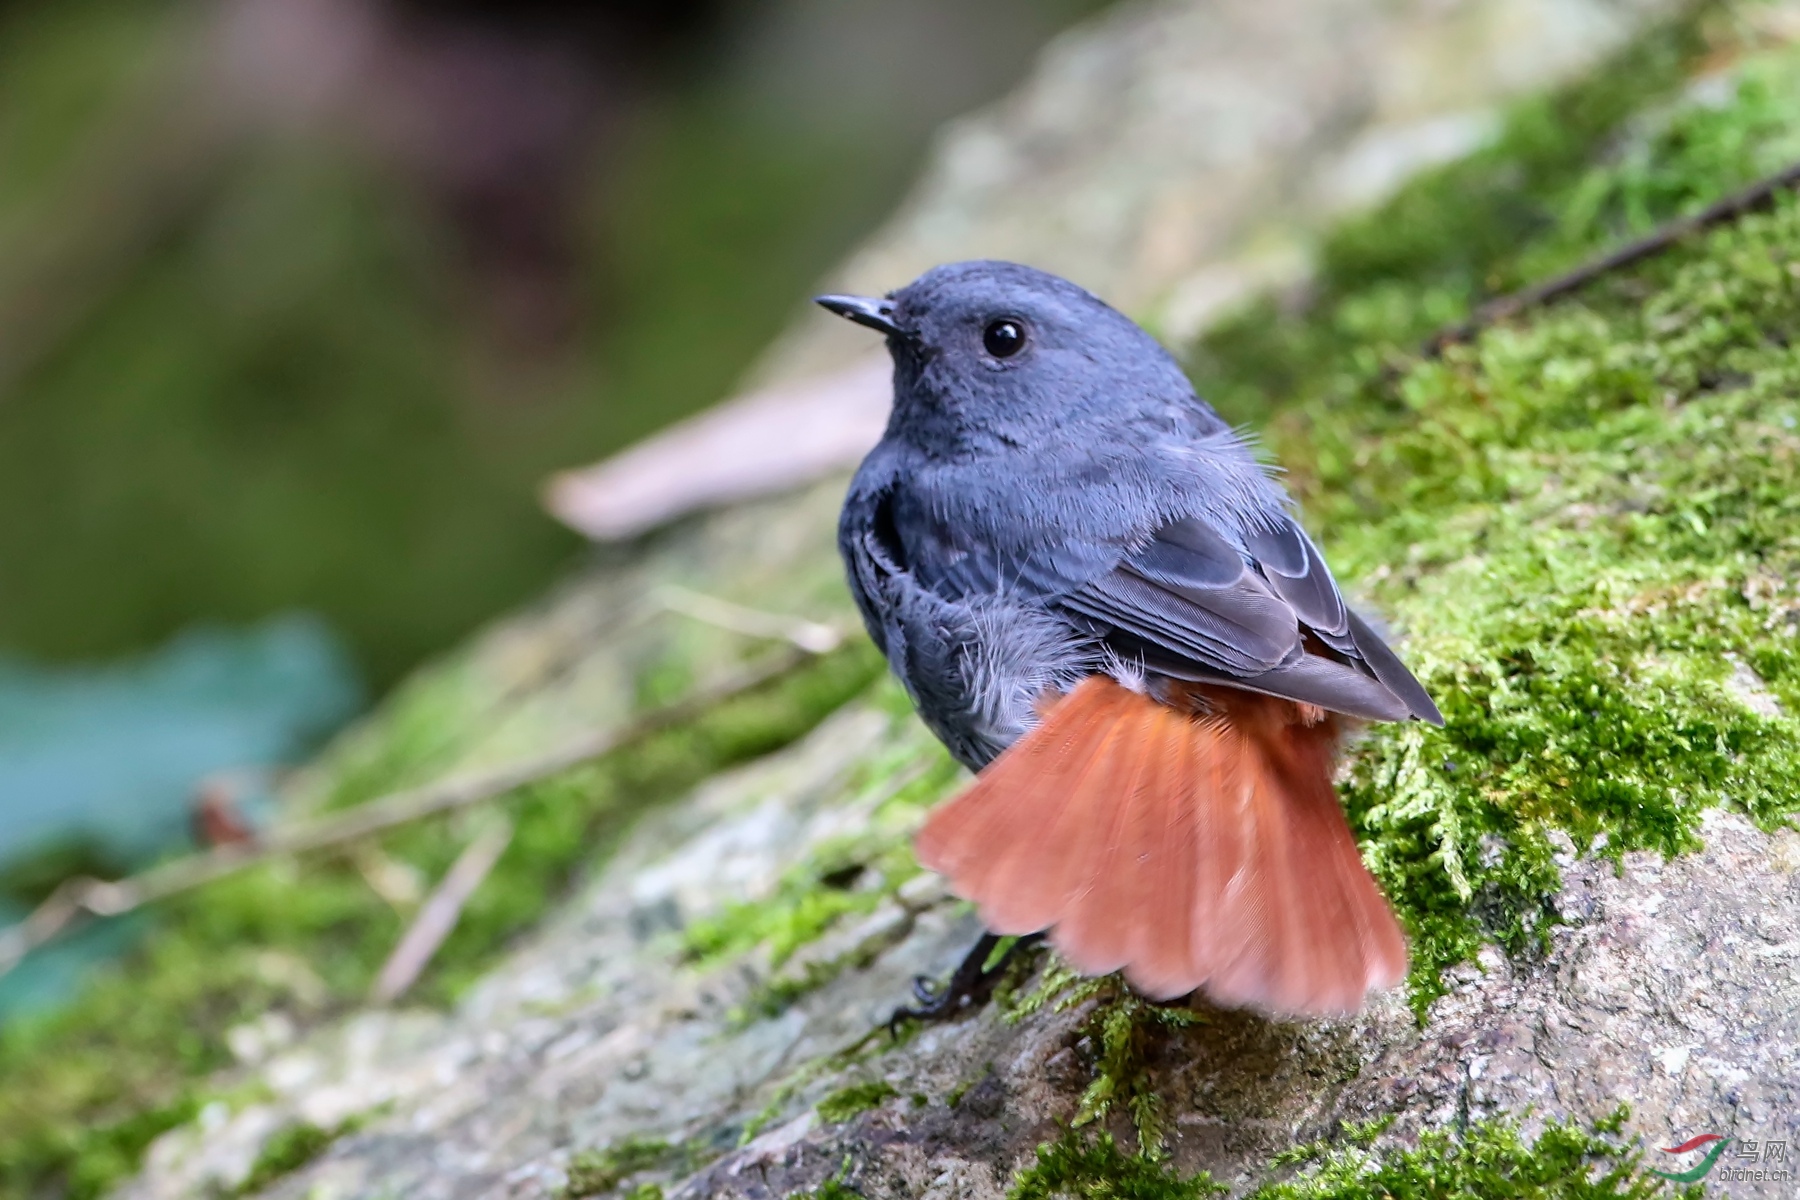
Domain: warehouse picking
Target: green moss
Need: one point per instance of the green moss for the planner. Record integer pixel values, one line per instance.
(774, 996)
(113, 1152)
(423, 724)
(785, 1091)
(832, 883)
(1096, 1169)
(1124, 1027)
(1491, 1159)
(594, 1172)
(1582, 521)
(287, 1150)
(845, 877)
(89, 1087)
(857, 1098)
(1489, 223)
(832, 1189)
(802, 909)
(1595, 540)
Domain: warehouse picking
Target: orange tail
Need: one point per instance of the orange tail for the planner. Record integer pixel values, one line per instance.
(1193, 851)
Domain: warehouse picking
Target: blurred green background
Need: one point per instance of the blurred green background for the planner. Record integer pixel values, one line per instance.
(300, 300)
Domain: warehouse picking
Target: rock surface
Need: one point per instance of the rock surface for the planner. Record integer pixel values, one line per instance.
(1176, 157)
(1672, 985)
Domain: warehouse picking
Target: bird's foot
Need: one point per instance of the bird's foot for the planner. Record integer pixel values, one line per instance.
(971, 985)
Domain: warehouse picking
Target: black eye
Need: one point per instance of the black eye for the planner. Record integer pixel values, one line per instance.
(1003, 338)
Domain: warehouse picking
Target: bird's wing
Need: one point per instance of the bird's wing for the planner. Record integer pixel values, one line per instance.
(1191, 605)
(875, 558)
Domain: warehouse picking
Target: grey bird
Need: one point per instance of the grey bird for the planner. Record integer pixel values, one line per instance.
(1102, 603)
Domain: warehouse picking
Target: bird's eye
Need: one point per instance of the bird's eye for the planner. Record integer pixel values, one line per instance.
(1004, 338)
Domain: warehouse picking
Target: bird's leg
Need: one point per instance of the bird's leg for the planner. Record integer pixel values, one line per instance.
(971, 984)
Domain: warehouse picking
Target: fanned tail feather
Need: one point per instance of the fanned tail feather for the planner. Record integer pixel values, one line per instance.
(1195, 844)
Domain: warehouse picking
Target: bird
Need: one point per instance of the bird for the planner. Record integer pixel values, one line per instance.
(1103, 603)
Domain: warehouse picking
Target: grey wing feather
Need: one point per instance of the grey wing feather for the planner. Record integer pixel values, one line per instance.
(1192, 606)
(1191, 591)
(1310, 678)
(1297, 572)
(1392, 672)
(1194, 562)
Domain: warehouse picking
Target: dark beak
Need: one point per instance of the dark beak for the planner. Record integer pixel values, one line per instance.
(864, 310)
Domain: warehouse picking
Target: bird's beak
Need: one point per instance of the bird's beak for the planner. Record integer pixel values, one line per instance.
(864, 310)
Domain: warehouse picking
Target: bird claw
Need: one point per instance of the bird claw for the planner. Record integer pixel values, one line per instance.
(970, 986)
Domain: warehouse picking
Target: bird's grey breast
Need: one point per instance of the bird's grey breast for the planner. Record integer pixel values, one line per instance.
(976, 647)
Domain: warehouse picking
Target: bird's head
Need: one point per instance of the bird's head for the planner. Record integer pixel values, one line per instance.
(997, 354)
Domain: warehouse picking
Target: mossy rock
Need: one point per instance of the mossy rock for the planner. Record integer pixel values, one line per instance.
(1579, 524)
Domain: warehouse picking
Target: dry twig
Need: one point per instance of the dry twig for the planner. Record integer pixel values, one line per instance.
(442, 910)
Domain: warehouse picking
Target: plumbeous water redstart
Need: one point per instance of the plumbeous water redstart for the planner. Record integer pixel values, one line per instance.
(1103, 604)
